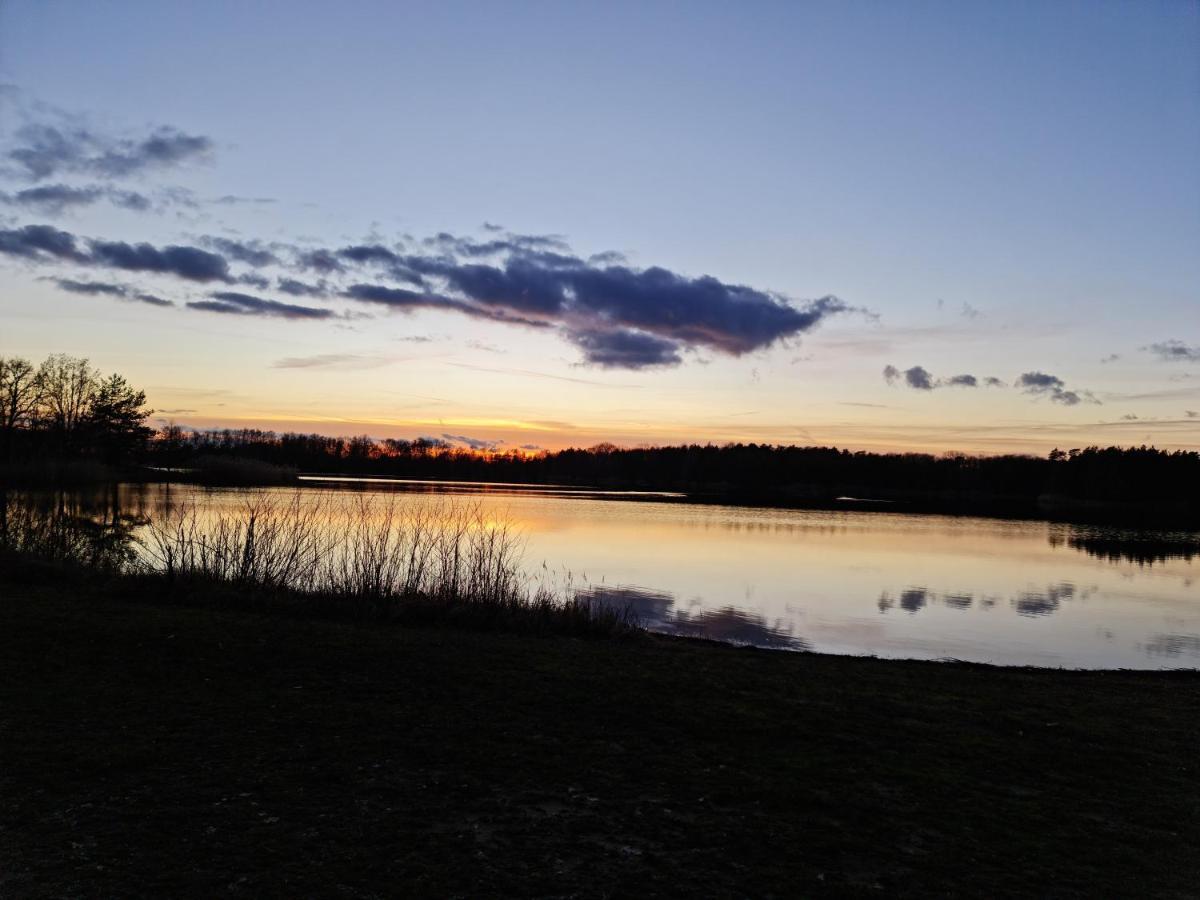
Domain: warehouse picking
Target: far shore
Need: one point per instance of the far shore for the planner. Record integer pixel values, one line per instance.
(1048, 507)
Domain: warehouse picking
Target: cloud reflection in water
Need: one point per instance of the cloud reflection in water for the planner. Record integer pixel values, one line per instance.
(656, 610)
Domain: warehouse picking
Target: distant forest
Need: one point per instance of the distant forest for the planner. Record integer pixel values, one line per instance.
(65, 412)
(751, 472)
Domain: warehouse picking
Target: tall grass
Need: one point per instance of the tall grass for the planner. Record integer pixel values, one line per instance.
(371, 556)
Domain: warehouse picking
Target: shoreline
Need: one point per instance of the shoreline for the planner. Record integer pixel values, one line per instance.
(844, 498)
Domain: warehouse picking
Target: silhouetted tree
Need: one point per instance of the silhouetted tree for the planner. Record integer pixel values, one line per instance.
(20, 394)
(68, 385)
(116, 419)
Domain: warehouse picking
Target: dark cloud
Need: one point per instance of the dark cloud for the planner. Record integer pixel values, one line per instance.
(1039, 381)
(108, 289)
(254, 280)
(189, 263)
(919, 378)
(252, 253)
(509, 244)
(622, 349)
(324, 261)
(91, 288)
(618, 316)
(301, 289)
(44, 150)
(39, 242)
(704, 311)
(246, 305)
(379, 256)
(607, 258)
(369, 253)
(54, 199)
(130, 200)
(1175, 351)
(153, 300)
(405, 300)
(1043, 385)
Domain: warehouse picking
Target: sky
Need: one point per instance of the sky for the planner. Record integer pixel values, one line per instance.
(941, 227)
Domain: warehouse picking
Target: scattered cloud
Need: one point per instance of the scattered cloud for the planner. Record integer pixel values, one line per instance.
(332, 361)
(484, 347)
(301, 289)
(253, 253)
(153, 300)
(91, 288)
(61, 145)
(234, 303)
(919, 378)
(1175, 351)
(1043, 385)
(1112, 357)
(53, 199)
(104, 288)
(234, 200)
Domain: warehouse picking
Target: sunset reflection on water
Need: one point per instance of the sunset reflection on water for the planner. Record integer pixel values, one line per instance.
(887, 584)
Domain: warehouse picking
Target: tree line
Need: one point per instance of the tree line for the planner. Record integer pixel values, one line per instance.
(754, 471)
(65, 409)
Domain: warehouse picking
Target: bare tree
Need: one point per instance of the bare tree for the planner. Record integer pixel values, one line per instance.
(68, 385)
(20, 393)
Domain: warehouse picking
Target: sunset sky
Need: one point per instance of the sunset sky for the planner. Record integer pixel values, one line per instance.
(928, 226)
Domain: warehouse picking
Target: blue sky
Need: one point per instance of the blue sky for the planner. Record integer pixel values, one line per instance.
(1004, 188)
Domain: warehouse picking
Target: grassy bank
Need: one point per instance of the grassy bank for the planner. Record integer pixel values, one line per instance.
(166, 750)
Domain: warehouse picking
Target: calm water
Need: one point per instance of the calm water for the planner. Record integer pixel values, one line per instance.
(895, 585)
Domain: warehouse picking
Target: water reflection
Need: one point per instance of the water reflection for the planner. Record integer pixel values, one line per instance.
(1118, 546)
(1026, 602)
(887, 584)
(91, 529)
(657, 611)
(1174, 645)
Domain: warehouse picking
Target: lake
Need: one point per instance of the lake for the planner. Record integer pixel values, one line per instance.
(1012, 592)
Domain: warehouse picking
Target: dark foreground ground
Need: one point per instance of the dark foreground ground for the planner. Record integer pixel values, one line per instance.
(153, 751)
